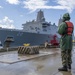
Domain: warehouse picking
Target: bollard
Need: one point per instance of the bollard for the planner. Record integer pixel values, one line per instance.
(28, 50)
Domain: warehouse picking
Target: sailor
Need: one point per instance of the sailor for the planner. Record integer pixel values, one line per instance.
(1, 45)
(65, 29)
(46, 44)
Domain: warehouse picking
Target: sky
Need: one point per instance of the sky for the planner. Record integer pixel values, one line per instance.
(14, 13)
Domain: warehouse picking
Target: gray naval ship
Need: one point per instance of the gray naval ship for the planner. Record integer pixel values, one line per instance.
(34, 32)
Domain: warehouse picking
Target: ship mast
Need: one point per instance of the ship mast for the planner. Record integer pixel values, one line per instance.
(60, 21)
(40, 16)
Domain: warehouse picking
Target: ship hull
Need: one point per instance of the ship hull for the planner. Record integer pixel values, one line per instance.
(21, 37)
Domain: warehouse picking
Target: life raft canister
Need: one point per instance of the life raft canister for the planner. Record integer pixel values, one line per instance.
(69, 28)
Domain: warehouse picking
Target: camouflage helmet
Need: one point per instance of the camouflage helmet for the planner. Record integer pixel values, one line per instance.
(66, 17)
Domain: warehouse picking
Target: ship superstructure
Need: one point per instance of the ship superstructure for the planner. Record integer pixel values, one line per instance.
(40, 25)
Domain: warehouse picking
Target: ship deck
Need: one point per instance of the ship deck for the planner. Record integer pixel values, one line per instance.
(45, 63)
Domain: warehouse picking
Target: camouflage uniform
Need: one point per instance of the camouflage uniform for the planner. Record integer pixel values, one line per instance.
(65, 42)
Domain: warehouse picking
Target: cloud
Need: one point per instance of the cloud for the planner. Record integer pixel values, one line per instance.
(7, 23)
(13, 1)
(33, 5)
(21, 15)
(69, 5)
(1, 7)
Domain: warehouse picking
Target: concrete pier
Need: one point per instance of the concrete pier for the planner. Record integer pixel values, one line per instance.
(45, 63)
